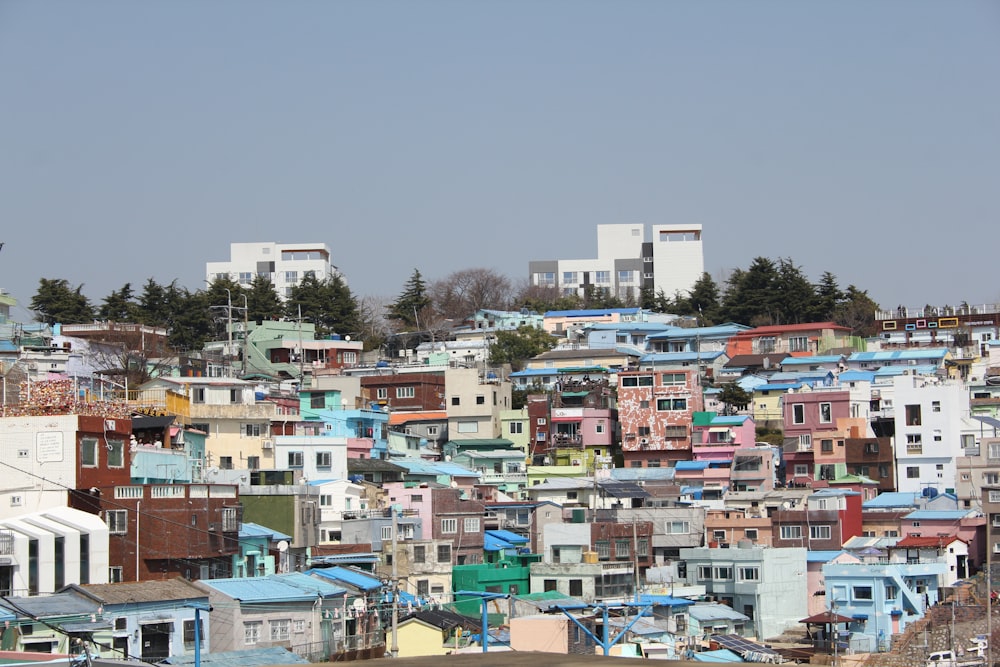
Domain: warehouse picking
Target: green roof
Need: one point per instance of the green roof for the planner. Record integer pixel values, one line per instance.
(702, 418)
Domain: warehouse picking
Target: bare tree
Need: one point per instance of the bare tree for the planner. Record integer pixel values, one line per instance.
(133, 353)
(459, 295)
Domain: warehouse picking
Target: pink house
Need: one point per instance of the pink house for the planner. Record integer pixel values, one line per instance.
(717, 437)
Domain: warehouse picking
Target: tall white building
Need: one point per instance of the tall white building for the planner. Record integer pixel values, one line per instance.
(285, 264)
(670, 260)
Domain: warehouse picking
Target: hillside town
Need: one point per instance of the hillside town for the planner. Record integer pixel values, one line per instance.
(650, 484)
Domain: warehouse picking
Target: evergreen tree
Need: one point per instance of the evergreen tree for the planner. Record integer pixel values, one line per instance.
(703, 300)
(153, 308)
(828, 297)
(734, 398)
(408, 307)
(262, 302)
(120, 305)
(57, 302)
(796, 295)
(751, 295)
(190, 322)
(328, 304)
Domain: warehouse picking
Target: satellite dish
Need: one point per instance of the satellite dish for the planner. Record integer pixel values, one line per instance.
(283, 546)
(454, 484)
(447, 457)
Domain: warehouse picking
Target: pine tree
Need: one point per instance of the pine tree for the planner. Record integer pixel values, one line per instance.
(120, 305)
(407, 308)
(57, 302)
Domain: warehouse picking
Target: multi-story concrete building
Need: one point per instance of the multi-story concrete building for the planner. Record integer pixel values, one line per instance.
(672, 261)
(766, 584)
(656, 411)
(284, 264)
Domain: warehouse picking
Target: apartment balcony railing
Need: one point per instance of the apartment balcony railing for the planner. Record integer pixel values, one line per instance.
(504, 478)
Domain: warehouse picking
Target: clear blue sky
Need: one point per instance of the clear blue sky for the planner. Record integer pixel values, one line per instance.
(138, 139)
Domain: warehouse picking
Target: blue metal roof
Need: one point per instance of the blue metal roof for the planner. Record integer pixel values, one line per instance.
(778, 387)
(938, 515)
(729, 420)
(593, 312)
(642, 474)
(855, 376)
(359, 580)
(691, 465)
(805, 361)
(508, 536)
(822, 556)
(664, 601)
(535, 372)
(494, 543)
(900, 355)
(422, 467)
(250, 529)
(892, 500)
(701, 332)
(667, 357)
(289, 587)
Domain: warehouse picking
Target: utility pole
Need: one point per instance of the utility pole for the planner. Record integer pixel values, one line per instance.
(394, 648)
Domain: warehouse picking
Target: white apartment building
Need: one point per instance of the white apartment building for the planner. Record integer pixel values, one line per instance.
(930, 416)
(670, 260)
(285, 264)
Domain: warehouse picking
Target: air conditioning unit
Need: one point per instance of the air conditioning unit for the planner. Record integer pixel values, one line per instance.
(643, 441)
(267, 443)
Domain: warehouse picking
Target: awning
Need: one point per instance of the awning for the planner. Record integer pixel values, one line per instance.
(719, 429)
(825, 617)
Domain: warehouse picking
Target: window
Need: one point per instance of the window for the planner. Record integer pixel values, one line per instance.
(798, 344)
(704, 571)
(642, 547)
(324, 460)
(444, 553)
(626, 276)
(317, 401)
(913, 415)
(456, 400)
(724, 572)
(891, 592)
(599, 427)
(871, 448)
(801, 470)
(546, 279)
(449, 526)
(280, 630)
(386, 533)
(117, 521)
(246, 277)
(516, 428)
(798, 413)
(198, 395)
(862, 592)
(226, 462)
(253, 462)
(419, 553)
(254, 430)
(569, 277)
(602, 277)
(623, 549)
(673, 380)
(291, 276)
(116, 454)
(825, 413)
(637, 381)
(819, 532)
(826, 445)
(912, 472)
(480, 399)
(750, 533)
(603, 548)
(251, 632)
(382, 393)
(471, 525)
(295, 459)
(406, 392)
(791, 532)
(189, 633)
(576, 587)
(88, 452)
(913, 443)
(935, 406)
(748, 573)
(764, 344)
(678, 528)
(663, 404)
(115, 574)
(805, 442)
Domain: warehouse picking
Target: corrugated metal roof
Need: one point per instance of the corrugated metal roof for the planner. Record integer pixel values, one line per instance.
(900, 355)
(290, 587)
(355, 578)
(892, 500)
(250, 529)
(255, 657)
(668, 357)
(938, 515)
(713, 611)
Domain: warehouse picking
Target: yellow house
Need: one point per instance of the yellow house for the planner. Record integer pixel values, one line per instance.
(432, 632)
(768, 401)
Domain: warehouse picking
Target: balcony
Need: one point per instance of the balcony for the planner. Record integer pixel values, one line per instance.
(503, 478)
